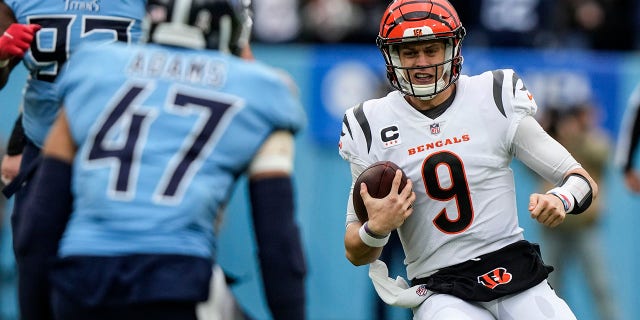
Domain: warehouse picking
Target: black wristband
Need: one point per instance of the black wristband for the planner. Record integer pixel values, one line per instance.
(18, 140)
(371, 233)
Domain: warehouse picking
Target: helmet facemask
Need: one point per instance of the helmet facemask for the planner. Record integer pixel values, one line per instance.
(443, 72)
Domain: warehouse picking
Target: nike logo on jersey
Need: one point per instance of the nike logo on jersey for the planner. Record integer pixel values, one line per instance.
(439, 144)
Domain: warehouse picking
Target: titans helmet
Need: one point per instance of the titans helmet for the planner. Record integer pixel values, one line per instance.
(223, 25)
(406, 21)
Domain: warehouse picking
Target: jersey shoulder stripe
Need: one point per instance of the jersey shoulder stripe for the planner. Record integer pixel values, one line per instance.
(346, 124)
(498, 80)
(363, 122)
(508, 97)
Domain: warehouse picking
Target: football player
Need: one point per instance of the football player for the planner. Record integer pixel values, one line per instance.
(455, 137)
(629, 142)
(150, 155)
(43, 34)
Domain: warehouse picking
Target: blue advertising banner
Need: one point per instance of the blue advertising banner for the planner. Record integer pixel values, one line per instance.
(344, 76)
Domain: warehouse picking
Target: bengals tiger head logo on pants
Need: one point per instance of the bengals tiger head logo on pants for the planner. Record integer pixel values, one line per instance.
(495, 277)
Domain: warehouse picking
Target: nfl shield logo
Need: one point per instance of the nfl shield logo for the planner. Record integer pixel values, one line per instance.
(422, 290)
(435, 128)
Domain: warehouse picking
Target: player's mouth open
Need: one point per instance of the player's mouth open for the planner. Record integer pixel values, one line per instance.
(423, 78)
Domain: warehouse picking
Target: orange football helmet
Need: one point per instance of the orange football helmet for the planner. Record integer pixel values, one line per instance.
(421, 20)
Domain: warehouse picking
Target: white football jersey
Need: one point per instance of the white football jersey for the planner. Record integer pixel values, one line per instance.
(459, 164)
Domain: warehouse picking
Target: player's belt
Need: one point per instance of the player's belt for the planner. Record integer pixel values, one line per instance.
(509, 270)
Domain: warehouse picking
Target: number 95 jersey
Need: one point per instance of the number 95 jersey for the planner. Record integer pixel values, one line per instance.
(65, 25)
(459, 163)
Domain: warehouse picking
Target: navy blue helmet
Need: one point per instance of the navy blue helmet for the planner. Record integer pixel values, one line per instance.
(223, 25)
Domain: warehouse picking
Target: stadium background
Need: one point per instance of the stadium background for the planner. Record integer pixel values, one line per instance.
(334, 77)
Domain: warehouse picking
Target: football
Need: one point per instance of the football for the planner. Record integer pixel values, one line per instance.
(378, 177)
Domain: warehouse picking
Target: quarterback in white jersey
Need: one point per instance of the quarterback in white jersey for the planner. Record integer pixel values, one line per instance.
(455, 137)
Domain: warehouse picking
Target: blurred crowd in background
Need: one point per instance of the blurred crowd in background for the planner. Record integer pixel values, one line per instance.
(584, 24)
(602, 25)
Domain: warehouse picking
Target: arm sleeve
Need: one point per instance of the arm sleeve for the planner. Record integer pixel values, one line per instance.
(18, 140)
(633, 145)
(48, 205)
(540, 152)
(629, 134)
(279, 244)
(630, 138)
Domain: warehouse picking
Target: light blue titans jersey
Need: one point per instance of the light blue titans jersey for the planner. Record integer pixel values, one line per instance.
(65, 25)
(163, 135)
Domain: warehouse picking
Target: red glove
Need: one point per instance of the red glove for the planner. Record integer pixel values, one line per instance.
(16, 40)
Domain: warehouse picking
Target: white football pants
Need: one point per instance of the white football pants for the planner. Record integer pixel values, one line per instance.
(537, 303)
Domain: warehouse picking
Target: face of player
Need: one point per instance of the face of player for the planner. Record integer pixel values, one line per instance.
(420, 58)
